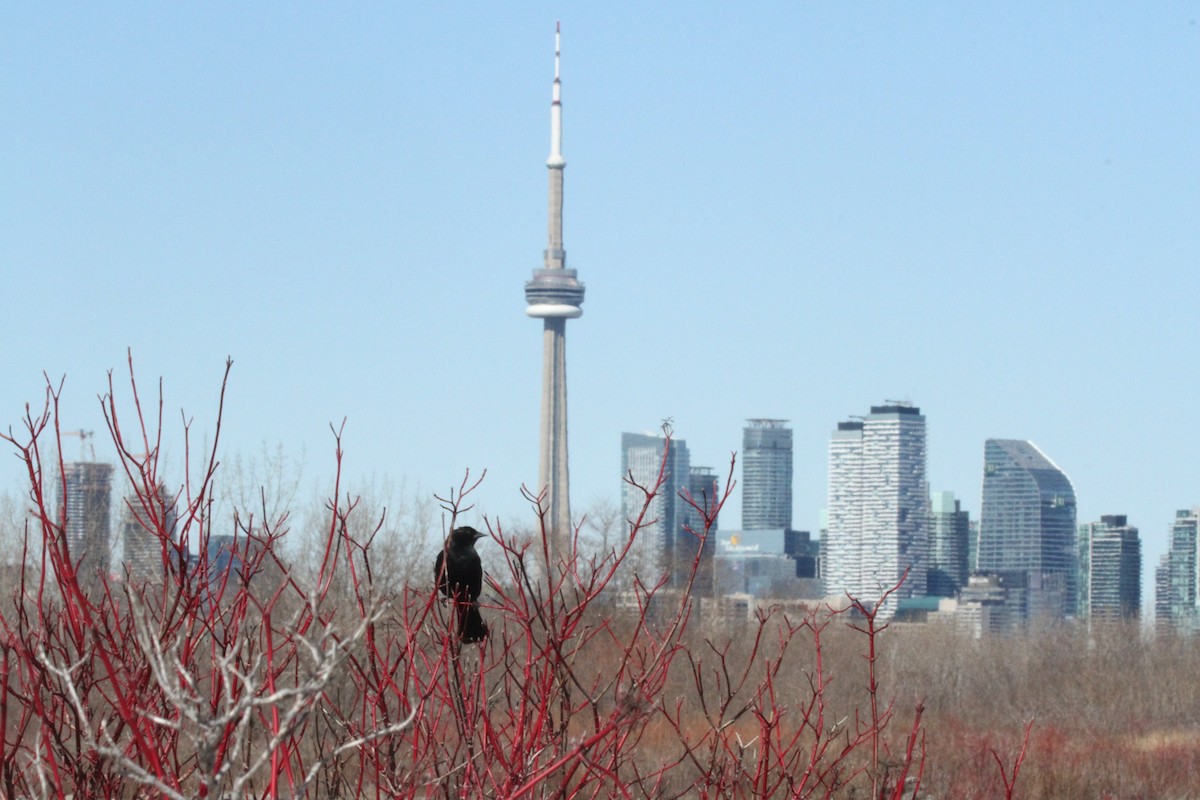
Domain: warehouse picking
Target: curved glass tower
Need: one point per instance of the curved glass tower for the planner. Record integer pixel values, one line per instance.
(1027, 525)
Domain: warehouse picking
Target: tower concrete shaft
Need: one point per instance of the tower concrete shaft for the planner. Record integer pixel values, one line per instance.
(553, 472)
(554, 295)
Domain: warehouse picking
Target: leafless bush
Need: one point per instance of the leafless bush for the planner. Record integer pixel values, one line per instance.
(240, 675)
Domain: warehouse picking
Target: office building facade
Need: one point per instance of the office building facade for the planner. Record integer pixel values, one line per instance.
(949, 537)
(766, 474)
(659, 541)
(704, 490)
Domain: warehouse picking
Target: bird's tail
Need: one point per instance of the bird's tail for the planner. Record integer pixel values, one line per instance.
(471, 627)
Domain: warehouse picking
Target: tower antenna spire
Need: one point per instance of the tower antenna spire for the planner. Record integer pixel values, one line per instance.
(556, 160)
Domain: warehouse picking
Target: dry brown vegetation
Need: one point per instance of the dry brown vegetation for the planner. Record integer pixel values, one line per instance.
(1116, 712)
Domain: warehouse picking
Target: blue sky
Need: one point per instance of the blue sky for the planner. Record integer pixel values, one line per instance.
(791, 211)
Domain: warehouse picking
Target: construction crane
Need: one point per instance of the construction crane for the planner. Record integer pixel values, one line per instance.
(84, 447)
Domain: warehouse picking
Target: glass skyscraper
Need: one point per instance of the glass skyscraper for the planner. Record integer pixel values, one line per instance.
(766, 475)
(705, 490)
(642, 456)
(1027, 525)
(878, 505)
(949, 532)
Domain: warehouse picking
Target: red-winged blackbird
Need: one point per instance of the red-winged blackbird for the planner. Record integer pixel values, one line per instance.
(459, 575)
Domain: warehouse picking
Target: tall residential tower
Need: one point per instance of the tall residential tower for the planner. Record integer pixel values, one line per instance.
(554, 295)
(1175, 579)
(1110, 569)
(878, 505)
(145, 523)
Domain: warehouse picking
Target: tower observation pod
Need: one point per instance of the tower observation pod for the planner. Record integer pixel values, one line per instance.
(555, 292)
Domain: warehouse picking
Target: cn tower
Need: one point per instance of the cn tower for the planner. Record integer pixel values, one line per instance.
(554, 295)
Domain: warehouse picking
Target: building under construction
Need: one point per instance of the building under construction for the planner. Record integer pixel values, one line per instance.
(86, 498)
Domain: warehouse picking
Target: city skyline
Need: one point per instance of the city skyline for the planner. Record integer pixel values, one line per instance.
(1109, 551)
(343, 201)
(876, 471)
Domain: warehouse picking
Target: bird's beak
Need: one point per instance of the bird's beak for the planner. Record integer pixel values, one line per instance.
(479, 536)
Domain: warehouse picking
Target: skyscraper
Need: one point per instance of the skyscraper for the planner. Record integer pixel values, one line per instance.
(842, 539)
(554, 295)
(86, 497)
(1110, 555)
(705, 492)
(878, 505)
(141, 524)
(642, 456)
(1175, 578)
(1162, 595)
(972, 546)
(766, 475)
(949, 531)
(1027, 524)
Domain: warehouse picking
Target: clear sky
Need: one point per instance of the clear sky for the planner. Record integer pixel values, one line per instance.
(794, 211)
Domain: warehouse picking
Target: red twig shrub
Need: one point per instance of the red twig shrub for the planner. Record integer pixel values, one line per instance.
(224, 674)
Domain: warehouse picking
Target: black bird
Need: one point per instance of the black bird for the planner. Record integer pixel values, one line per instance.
(459, 576)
